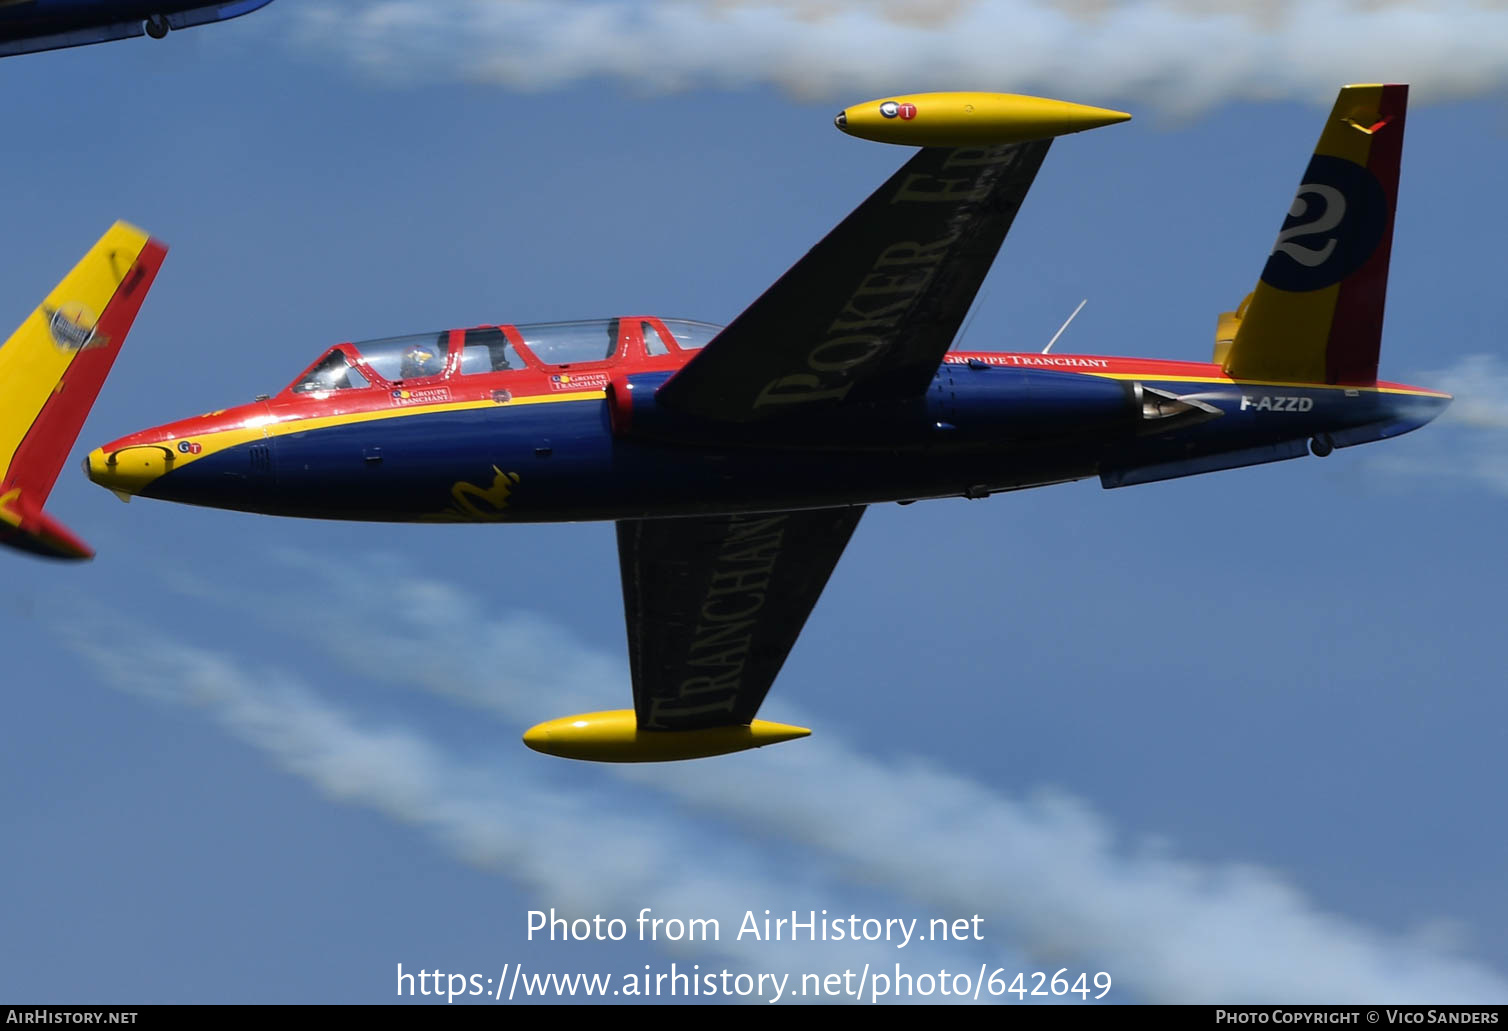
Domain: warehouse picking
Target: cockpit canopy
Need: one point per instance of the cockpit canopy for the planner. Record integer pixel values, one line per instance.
(486, 349)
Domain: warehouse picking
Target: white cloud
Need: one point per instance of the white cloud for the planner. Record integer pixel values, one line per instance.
(1178, 55)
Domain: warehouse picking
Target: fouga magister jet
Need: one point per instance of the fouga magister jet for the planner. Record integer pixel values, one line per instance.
(736, 461)
(27, 26)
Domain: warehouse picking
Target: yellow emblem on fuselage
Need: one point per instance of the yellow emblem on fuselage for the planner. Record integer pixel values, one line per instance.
(475, 504)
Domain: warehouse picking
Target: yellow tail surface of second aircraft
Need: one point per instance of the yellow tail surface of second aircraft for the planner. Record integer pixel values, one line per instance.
(51, 370)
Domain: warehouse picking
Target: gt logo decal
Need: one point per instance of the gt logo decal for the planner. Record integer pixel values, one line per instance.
(890, 109)
(1270, 403)
(189, 447)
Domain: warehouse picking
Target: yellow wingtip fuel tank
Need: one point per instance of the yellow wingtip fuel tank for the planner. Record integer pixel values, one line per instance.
(615, 737)
(970, 119)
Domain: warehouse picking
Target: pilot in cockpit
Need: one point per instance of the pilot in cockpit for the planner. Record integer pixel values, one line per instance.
(421, 360)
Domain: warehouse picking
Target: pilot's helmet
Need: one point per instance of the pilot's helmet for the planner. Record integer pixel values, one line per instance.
(421, 360)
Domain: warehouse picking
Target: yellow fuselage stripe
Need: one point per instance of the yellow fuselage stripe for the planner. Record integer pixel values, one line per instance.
(216, 441)
(1153, 377)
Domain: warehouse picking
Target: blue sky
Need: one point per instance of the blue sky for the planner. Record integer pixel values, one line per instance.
(1235, 737)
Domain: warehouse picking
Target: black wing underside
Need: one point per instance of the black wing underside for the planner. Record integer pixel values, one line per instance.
(870, 311)
(20, 36)
(714, 605)
(23, 44)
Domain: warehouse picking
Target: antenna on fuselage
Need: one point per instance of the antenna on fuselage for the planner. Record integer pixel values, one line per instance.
(973, 311)
(1064, 326)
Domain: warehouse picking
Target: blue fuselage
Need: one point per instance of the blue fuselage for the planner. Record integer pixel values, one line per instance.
(981, 428)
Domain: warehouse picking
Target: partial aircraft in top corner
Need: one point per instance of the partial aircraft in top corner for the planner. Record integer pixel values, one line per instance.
(27, 26)
(737, 460)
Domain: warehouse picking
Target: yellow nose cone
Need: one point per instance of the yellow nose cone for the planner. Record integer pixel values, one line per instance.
(129, 470)
(970, 119)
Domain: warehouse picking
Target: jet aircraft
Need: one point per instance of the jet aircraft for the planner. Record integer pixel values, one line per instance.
(737, 460)
(27, 26)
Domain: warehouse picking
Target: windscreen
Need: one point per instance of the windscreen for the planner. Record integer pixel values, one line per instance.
(689, 335)
(416, 356)
(332, 372)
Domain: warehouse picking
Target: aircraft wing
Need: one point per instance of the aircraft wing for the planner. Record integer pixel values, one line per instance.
(72, 38)
(870, 311)
(714, 604)
(215, 12)
(125, 29)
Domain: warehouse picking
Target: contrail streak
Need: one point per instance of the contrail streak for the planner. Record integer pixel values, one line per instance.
(581, 851)
(1470, 442)
(1046, 865)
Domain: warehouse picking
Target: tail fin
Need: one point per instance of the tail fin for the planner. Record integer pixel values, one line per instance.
(1316, 314)
(51, 370)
